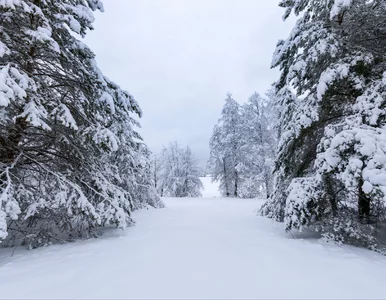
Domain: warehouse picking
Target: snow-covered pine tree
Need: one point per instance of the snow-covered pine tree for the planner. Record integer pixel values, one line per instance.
(258, 146)
(168, 170)
(330, 168)
(224, 149)
(63, 128)
(145, 191)
(178, 173)
(191, 183)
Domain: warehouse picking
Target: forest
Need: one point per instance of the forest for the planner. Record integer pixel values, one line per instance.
(308, 153)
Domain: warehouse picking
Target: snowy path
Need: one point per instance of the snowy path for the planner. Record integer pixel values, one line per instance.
(195, 248)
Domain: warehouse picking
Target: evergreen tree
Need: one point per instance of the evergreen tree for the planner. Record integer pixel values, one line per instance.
(242, 148)
(331, 98)
(257, 147)
(224, 149)
(191, 172)
(68, 155)
(145, 190)
(178, 173)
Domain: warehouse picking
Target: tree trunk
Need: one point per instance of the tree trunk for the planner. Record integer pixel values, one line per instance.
(236, 183)
(363, 204)
(331, 193)
(155, 173)
(226, 179)
(13, 140)
(267, 186)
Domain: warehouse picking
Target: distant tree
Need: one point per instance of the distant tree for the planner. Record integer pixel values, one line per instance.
(225, 149)
(145, 190)
(191, 173)
(242, 148)
(258, 147)
(178, 173)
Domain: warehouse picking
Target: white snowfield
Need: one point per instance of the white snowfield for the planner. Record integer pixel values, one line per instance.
(197, 249)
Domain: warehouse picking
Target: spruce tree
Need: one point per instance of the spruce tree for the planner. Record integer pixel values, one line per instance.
(65, 129)
(331, 96)
(258, 146)
(178, 173)
(225, 149)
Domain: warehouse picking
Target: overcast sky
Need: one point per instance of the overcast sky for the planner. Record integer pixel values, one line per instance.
(179, 58)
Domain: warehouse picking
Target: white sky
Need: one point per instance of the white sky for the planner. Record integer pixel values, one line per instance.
(179, 58)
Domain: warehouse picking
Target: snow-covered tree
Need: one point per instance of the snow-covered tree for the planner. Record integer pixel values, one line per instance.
(69, 154)
(258, 146)
(155, 169)
(330, 167)
(224, 149)
(242, 148)
(178, 173)
(145, 191)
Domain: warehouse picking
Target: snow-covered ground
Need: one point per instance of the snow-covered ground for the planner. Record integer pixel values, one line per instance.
(195, 248)
(210, 188)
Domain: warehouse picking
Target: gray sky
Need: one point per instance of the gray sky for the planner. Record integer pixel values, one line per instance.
(179, 58)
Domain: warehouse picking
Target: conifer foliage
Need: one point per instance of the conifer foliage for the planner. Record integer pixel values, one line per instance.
(330, 168)
(224, 147)
(70, 160)
(177, 172)
(258, 146)
(242, 148)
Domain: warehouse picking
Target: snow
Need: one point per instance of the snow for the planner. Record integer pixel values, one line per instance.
(104, 135)
(208, 248)
(108, 99)
(9, 3)
(43, 34)
(3, 49)
(81, 12)
(338, 6)
(367, 187)
(368, 162)
(75, 25)
(211, 189)
(65, 117)
(339, 71)
(35, 113)
(9, 88)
